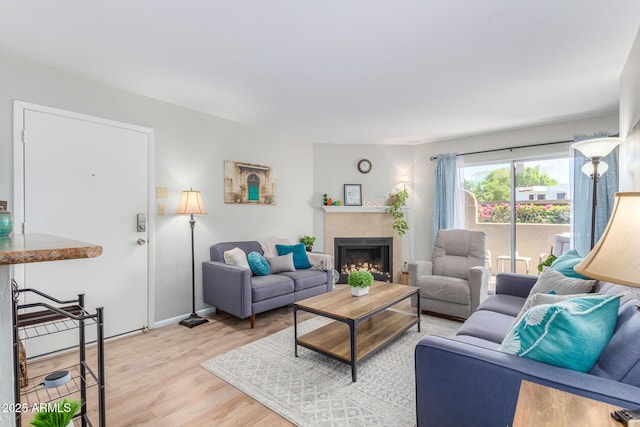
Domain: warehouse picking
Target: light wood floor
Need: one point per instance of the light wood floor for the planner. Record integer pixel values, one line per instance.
(155, 379)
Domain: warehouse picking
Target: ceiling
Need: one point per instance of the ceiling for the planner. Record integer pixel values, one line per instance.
(344, 71)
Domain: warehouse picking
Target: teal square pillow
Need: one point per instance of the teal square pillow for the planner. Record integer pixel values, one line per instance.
(258, 264)
(570, 334)
(300, 258)
(565, 263)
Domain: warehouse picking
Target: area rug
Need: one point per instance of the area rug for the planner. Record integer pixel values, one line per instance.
(313, 390)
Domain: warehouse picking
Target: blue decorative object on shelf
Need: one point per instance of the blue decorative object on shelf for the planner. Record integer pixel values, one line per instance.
(6, 223)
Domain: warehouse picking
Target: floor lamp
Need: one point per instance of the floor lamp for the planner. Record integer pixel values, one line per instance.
(191, 204)
(595, 149)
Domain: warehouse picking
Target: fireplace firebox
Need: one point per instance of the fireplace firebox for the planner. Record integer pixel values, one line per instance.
(373, 254)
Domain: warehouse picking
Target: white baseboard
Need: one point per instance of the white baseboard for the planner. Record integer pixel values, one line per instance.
(177, 319)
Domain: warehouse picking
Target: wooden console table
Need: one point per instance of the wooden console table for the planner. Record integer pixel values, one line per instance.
(543, 406)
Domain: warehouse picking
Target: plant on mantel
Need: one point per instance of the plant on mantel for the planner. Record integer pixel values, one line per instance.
(398, 199)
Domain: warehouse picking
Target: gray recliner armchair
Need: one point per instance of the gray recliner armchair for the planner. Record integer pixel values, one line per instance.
(455, 281)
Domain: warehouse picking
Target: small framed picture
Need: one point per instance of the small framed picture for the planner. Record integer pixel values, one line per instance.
(352, 195)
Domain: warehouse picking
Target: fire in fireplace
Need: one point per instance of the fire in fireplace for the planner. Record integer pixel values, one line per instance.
(373, 254)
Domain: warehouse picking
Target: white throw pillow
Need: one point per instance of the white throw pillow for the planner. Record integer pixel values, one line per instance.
(551, 281)
(237, 257)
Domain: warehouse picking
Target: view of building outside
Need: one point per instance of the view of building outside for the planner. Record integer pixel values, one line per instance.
(542, 209)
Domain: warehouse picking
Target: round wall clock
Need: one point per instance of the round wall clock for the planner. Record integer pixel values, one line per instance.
(364, 166)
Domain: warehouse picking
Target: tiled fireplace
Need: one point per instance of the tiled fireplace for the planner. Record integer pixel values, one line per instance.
(363, 228)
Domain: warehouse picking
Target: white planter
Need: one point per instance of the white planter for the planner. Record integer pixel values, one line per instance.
(357, 292)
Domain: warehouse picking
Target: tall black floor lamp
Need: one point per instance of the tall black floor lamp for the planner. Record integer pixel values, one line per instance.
(191, 204)
(595, 149)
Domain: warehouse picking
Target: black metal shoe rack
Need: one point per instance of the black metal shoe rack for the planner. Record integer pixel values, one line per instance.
(52, 316)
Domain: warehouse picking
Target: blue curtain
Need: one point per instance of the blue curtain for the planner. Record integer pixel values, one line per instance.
(583, 195)
(443, 193)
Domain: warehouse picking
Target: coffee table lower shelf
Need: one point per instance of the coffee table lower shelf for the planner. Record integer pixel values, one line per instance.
(372, 334)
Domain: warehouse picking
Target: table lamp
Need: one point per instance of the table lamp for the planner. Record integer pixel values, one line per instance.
(191, 204)
(616, 257)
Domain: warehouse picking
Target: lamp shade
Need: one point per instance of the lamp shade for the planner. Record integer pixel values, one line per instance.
(616, 256)
(597, 147)
(191, 204)
(588, 169)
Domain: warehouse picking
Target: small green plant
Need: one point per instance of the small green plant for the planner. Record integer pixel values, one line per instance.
(547, 262)
(57, 414)
(307, 241)
(398, 199)
(360, 279)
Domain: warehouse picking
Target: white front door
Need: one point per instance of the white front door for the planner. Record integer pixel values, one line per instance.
(88, 179)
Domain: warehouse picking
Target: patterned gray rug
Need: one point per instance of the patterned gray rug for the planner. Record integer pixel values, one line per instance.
(313, 390)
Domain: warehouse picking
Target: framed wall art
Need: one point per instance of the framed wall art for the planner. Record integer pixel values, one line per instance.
(352, 195)
(249, 183)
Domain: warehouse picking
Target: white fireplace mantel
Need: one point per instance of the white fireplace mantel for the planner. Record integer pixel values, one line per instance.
(347, 209)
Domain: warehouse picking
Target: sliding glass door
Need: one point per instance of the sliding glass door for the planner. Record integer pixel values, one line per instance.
(522, 205)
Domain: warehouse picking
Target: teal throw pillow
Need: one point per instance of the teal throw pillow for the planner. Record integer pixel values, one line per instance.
(570, 334)
(300, 258)
(565, 263)
(258, 264)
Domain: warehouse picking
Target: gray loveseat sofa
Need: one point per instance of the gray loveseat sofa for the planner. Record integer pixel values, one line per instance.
(237, 291)
(466, 381)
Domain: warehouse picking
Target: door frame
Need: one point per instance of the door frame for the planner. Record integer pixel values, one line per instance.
(19, 109)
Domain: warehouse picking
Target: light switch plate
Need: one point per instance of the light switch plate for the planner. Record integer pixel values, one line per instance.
(162, 193)
(160, 209)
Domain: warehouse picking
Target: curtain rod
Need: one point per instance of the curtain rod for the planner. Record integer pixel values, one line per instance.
(432, 158)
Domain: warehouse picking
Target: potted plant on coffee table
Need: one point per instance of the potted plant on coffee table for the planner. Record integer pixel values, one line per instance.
(360, 281)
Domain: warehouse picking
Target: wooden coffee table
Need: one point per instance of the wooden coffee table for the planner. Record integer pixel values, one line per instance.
(362, 326)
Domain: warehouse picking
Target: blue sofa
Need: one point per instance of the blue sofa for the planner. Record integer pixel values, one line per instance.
(466, 381)
(237, 291)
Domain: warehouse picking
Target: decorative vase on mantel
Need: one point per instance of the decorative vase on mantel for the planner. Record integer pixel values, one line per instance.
(360, 282)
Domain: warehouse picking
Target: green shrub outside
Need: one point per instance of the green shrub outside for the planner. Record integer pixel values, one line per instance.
(525, 213)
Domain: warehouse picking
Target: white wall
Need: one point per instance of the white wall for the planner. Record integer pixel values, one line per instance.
(190, 149)
(425, 168)
(629, 120)
(336, 165)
